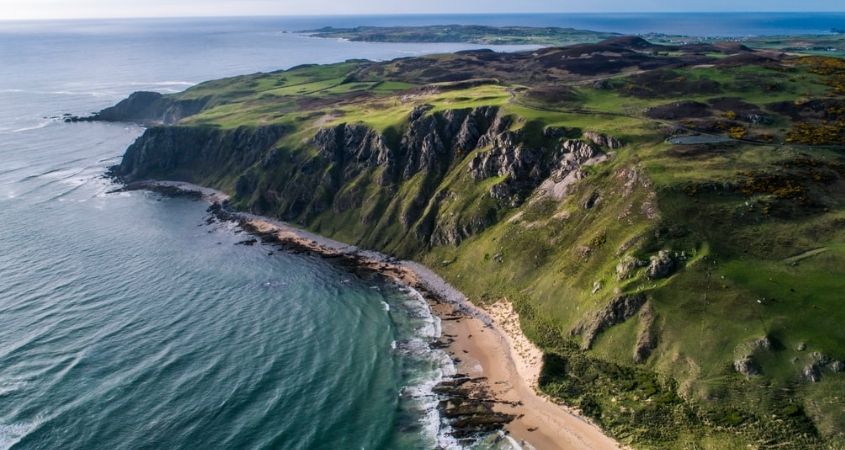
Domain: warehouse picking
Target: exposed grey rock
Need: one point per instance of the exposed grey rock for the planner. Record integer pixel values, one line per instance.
(592, 200)
(420, 111)
(836, 366)
(746, 366)
(801, 347)
(617, 311)
(812, 373)
(603, 140)
(662, 265)
(627, 266)
(168, 149)
(761, 344)
(352, 149)
(596, 286)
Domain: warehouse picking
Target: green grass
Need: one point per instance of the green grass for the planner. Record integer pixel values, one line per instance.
(754, 265)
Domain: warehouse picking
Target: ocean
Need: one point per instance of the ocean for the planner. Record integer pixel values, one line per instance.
(127, 321)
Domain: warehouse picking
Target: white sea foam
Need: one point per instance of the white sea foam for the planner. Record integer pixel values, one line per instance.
(11, 386)
(11, 434)
(386, 306)
(38, 126)
(429, 329)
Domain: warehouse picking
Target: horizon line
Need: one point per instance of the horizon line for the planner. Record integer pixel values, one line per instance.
(420, 14)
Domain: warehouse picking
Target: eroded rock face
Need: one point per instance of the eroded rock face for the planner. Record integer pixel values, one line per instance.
(662, 265)
(812, 373)
(745, 363)
(627, 266)
(352, 149)
(603, 140)
(746, 366)
(168, 150)
(149, 109)
(617, 311)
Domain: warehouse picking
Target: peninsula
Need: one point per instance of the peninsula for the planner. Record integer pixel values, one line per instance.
(667, 222)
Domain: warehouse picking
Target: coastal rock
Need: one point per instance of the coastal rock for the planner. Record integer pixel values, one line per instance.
(166, 150)
(465, 405)
(149, 109)
(352, 149)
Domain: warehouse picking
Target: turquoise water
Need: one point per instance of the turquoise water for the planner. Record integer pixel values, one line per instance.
(128, 322)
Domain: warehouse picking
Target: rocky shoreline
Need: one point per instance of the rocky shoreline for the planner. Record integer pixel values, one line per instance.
(493, 394)
(465, 403)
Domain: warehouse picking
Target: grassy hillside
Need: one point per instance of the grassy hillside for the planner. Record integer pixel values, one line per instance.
(688, 292)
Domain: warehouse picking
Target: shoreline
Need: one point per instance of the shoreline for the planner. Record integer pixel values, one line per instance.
(474, 337)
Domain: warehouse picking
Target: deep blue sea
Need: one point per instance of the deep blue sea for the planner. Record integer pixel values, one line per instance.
(127, 322)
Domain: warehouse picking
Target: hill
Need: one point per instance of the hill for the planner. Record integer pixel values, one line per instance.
(669, 221)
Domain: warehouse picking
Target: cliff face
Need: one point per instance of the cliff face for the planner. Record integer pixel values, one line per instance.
(150, 108)
(192, 153)
(445, 176)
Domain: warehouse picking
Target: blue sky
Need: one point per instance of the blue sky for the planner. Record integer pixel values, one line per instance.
(43, 9)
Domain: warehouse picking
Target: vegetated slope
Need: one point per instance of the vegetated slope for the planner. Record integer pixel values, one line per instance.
(477, 34)
(685, 295)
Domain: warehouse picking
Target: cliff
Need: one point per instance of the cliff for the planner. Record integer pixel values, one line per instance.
(147, 108)
(648, 270)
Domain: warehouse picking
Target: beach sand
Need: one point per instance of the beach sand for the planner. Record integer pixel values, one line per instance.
(484, 342)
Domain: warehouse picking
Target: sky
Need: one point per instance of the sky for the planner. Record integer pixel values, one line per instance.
(66, 9)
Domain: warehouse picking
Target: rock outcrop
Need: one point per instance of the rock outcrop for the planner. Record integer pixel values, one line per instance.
(299, 185)
(662, 265)
(620, 309)
(181, 153)
(149, 109)
(627, 266)
(745, 363)
(603, 140)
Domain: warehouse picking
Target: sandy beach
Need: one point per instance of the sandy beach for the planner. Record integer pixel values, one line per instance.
(486, 343)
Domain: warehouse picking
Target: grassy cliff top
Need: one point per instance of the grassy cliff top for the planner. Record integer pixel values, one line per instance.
(727, 165)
